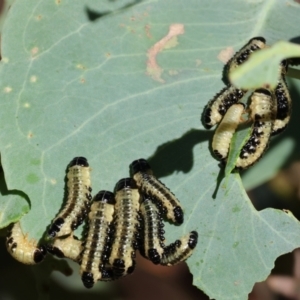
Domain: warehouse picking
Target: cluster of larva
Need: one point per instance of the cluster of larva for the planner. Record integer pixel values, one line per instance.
(269, 111)
(118, 224)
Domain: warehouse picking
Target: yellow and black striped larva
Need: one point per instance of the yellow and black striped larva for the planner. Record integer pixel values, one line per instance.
(256, 43)
(180, 250)
(126, 226)
(218, 106)
(69, 247)
(79, 198)
(153, 233)
(284, 106)
(226, 129)
(22, 249)
(263, 115)
(150, 185)
(97, 245)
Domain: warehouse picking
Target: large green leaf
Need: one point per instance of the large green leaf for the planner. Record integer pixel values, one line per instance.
(82, 78)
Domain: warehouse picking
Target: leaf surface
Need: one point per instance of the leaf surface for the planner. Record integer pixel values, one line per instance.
(115, 81)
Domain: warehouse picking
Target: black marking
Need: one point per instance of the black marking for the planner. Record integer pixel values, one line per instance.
(69, 247)
(150, 185)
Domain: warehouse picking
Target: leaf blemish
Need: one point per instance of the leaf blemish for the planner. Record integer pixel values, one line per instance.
(33, 79)
(7, 89)
(225, 54)
(169, 41)
(26, 105)
(34, 51)
(80, 66)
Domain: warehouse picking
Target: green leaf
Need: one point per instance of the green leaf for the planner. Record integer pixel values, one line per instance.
(271, 162)
(262, 68)
(86, 78)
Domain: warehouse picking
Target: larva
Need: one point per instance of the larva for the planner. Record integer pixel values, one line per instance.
(180, 250)
(126, 228)
(153, 233)
(284, 106)
(244, 53)
(78, 202)
(262, 114)
(24, 250)
(218, 106)
(150, 185)
(226, 129)
(69, 247)
(98, 240)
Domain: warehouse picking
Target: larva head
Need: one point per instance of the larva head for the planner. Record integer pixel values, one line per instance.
(125, 183)
(39, 254)
(79, 161)
(263, 92)
(178, 213)
(140, 165)
(193, 240)
(105, 197)
(154, 256)
(87, 279)
(258, 40)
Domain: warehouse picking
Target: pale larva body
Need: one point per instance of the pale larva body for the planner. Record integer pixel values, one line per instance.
(263, 115)
(180, 250)
(97, 245)
(153, 233)
(148, 184)
(256, 43)
(218, 106)
(22, 249)
(284, 106)
(69, 247)
(126, 226)
(78, 202)
(226, 129)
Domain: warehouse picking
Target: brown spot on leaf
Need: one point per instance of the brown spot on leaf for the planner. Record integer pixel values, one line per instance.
(225, 54)
(170, 40)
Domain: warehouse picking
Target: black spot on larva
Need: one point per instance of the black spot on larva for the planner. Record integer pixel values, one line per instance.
(55, 251)
(13, 246)
(55, 227)
(9, 241)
